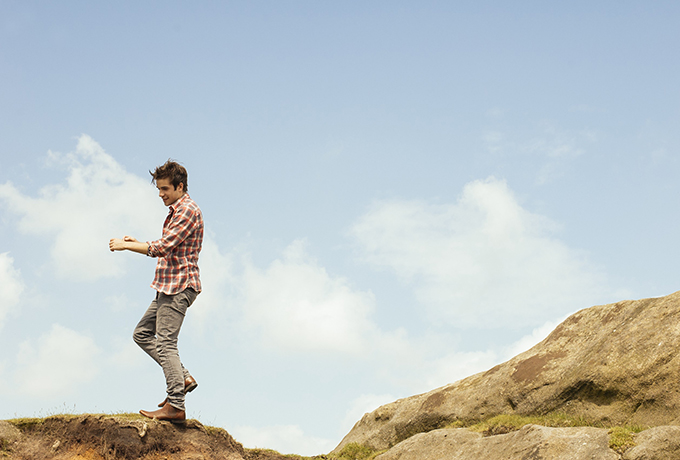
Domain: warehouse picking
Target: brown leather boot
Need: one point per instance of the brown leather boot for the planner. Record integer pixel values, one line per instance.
(190, 385)
(167, 412)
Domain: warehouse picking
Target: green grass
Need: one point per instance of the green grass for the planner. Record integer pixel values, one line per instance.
(621, 437)
(29, 422)
(256, 453)
(356, 451)
(26, 422)
(515, 422)
(352, 451)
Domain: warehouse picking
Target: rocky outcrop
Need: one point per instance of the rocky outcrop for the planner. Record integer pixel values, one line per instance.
(531, 442)
(535, 443)
(610, 364)
(120, 437)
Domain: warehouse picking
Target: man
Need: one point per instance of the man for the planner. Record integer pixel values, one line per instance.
(177, 283)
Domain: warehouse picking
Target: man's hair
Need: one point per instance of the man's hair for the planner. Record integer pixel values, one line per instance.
(173, 171)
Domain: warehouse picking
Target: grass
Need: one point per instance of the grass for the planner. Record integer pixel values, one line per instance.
(621, 437)
(515, 422)
(26, 422)
(30, 422)
(356, 451)
(4, 448)
(352, 451)
(214, 430)
(258, 453)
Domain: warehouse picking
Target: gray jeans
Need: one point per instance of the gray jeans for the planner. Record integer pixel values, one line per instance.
(157, 334)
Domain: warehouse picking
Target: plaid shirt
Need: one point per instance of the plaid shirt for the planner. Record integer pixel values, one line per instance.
(178, 248)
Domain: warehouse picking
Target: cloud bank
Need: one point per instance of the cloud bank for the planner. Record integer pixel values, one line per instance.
(99, 200)
(11, 286)
(287, 439)
(298, 306)
(483, 261)
(59, 362)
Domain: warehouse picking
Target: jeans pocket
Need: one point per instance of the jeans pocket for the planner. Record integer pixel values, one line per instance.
(190, 295)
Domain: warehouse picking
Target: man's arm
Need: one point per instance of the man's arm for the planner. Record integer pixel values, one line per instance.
(128, 243)
(183, 223)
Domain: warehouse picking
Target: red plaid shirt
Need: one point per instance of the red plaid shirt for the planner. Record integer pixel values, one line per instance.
(178, 248)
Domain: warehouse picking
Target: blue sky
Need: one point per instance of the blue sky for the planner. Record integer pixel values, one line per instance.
(396, 194)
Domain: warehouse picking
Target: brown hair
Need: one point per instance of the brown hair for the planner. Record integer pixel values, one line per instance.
(173, 171)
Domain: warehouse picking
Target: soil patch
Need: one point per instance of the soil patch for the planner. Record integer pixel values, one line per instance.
(106, 437)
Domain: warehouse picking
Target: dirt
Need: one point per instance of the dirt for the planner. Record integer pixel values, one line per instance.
(107, 437)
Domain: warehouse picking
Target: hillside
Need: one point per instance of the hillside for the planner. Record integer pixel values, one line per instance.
(608, 365)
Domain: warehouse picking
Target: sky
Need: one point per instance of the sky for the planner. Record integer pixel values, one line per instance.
(396, 195)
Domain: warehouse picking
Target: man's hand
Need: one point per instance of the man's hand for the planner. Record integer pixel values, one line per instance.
(116, 244)
(129, 243)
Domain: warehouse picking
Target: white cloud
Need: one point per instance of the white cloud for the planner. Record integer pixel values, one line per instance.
(99, 200)
(118, 303)
(127, 356)
(285, 439)
(297, 305)
(4, 379)
(11, 286)
(455, 366)
(528, 341)
(482, 261)
(218, 281)
(57, 363)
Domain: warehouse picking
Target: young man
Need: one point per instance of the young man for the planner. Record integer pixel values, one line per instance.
(177, 283)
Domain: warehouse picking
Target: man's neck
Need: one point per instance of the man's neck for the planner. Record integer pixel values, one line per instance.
(177, 200)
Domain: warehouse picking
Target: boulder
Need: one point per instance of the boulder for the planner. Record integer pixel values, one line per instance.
(610, 364)
(531, 442)
(658, 443)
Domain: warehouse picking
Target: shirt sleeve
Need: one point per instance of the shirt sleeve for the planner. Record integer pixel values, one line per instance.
(181, 225)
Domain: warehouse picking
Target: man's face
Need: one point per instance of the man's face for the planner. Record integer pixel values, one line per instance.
(167, 192)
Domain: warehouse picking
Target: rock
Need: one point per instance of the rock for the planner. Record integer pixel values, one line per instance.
(123, 437)
(609, 364)
(9, 436)
(658, 443)
(531, 442)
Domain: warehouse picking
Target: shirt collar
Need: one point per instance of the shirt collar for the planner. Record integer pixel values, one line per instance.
(173, 206)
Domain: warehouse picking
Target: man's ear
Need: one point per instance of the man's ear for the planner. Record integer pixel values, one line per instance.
(181, 186)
